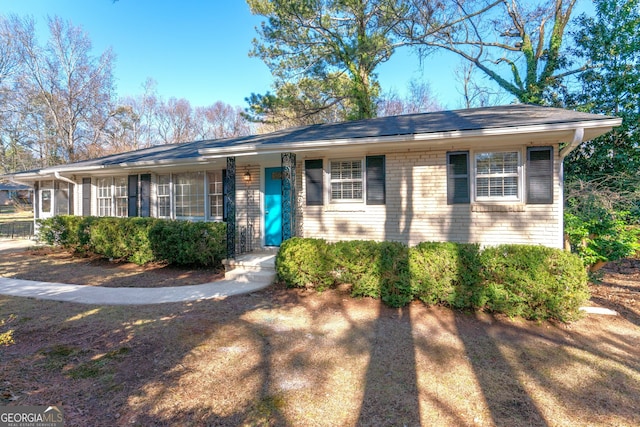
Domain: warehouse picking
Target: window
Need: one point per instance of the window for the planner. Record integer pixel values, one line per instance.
(458, 178)
(104, 196)
(216, 195)
(346, 180)
(496, 175)
(121, 196)
(164, 196)
(539, 175)
(188, 189)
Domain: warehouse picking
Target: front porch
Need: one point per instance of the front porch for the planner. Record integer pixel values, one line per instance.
(260, 205)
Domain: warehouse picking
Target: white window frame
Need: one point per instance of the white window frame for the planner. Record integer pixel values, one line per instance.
(518, 174)
(120, 196)
(112, 198)
(104, 196)
(164, 197)
(189, 197)
(362, 181)
(215, 191)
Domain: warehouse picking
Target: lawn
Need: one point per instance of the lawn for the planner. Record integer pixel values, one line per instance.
(290, 357)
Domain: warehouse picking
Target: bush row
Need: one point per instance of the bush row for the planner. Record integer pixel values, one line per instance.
(139, 240)
(533, 282)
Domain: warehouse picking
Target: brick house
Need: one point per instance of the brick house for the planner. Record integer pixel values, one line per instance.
(489, 175)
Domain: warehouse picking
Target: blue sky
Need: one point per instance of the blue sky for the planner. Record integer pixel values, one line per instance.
(198, 50)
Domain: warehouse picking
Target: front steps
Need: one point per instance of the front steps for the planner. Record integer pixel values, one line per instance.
(254, 266)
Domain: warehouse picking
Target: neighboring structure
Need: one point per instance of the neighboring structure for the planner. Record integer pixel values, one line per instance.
(12, 193)
(490, 175)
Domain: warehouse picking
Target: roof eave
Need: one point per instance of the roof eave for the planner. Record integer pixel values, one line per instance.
(444, 137)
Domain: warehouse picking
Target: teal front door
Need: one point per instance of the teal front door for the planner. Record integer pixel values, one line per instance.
(272, 206)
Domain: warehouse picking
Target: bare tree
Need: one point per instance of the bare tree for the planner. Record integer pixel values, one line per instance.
(419, 99)
(71, 88)
(221, 120)
(475, 95)
(175, 122)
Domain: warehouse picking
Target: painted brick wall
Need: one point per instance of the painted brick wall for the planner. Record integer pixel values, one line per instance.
(416, 210)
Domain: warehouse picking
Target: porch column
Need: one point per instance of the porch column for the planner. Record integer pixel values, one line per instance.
(230, 206)
(288, 195)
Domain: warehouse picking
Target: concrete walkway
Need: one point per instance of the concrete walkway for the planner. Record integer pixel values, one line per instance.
(256, 275)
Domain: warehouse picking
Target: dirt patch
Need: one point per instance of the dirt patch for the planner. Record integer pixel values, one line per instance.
(618, 288)
(60, 266)
(282, 357)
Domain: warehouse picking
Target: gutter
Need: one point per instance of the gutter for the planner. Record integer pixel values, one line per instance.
(578, 135)
(442, 136)
(15, 181)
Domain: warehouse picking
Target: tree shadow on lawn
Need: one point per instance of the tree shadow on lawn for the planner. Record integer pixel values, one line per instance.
(592, 376)
(290, 357)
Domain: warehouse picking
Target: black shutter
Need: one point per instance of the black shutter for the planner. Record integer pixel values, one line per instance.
(376, 194)
(86, 196)
(36, 199)
(72, 190)
(224, 195)
(313, 181)
(145, 195)
(458, 178)
(539, 175)
(132, 192)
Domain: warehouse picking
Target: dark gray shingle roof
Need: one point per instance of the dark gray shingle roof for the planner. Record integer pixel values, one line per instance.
(517, 115)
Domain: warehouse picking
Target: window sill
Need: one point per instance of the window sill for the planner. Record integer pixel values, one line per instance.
(346, 207)
(497, 207)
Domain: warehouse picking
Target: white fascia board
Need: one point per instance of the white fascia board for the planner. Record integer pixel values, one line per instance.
(436, 137)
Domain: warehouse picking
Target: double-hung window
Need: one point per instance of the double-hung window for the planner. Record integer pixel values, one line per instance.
(496, 176)
(346, 181)
(163, 189)
(103, 186)
(120, 195)
(216, 195)
(350, 180)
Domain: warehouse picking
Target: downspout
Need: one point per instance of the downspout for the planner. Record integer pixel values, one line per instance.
(578, 136)
(57, 175)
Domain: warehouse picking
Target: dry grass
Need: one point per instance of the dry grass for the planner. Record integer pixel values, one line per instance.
(289, 357)
(60, 266)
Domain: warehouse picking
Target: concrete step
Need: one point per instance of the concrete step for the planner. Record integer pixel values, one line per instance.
(255, 264)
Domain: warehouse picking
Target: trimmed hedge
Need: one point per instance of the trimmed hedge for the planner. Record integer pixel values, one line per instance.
(533, 282)
(139, 240)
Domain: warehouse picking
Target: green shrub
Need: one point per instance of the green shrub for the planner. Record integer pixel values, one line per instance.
(445, 273)
(393, 264)
(373, 269)
(107, 238)
(357, 263)
(59, 230)
(602, 238)
(533, 282)
(139, 240)
(304, 263)
(188, 243)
